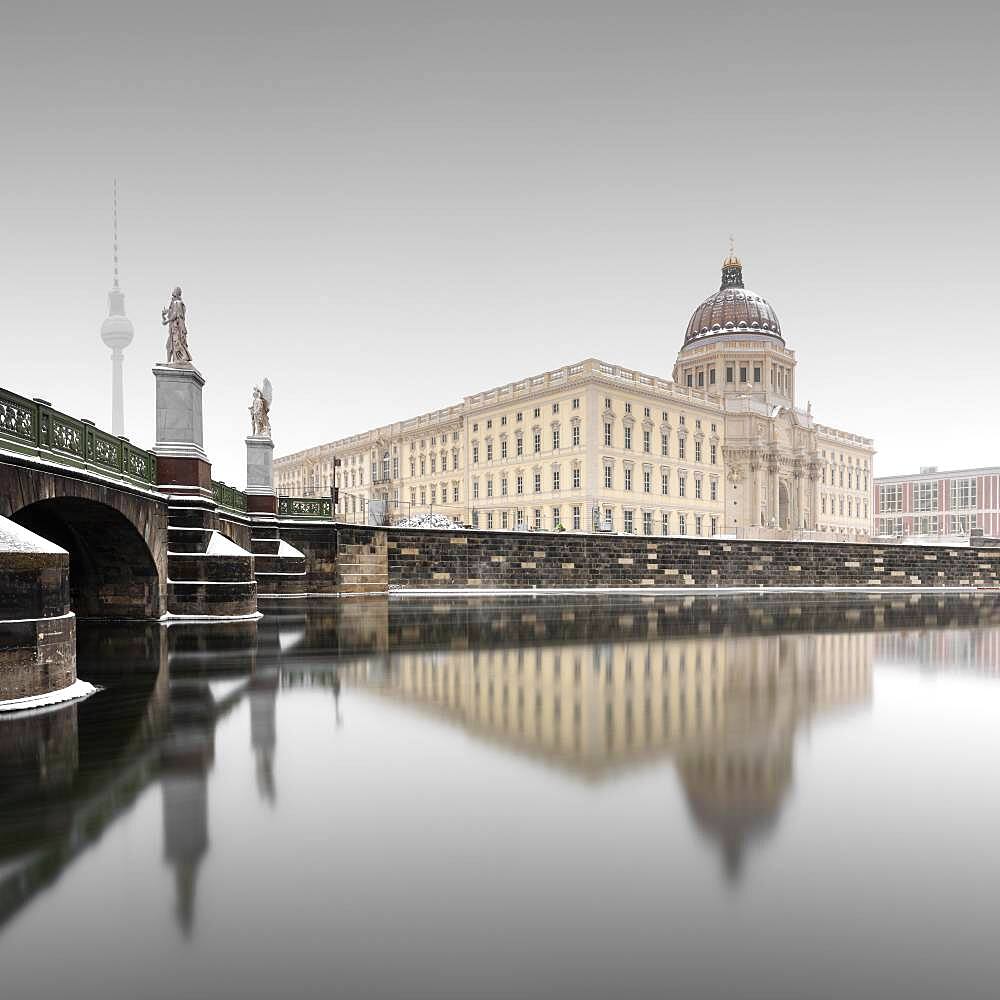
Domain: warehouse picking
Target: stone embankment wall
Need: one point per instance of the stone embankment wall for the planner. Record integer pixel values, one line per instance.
(481, 559)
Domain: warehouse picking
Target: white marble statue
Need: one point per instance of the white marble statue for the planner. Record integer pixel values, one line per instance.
(260, 409)
(177, 341)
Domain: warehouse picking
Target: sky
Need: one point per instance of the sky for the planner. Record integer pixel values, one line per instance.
(384, 207)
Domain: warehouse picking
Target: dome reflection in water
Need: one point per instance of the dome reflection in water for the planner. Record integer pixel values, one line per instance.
(511, 797)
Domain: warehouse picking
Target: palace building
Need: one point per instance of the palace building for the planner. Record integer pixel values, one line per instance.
(721, 448)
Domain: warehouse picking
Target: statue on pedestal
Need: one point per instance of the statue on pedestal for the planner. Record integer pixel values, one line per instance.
(260, 409)
(177, 342)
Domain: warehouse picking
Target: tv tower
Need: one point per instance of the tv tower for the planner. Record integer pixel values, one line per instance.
(117, 333)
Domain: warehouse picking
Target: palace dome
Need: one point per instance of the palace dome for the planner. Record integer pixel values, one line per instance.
(733, 309)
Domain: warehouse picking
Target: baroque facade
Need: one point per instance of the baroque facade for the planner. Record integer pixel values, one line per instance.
(720, 449)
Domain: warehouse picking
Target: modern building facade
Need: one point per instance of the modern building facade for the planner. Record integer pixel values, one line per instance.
(720, 449)
(933, 505)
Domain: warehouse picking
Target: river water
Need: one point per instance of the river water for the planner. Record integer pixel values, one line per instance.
(594, 796)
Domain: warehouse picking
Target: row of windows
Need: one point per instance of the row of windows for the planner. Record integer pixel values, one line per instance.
(781, 377)
(519, 415)
(856, 479)
(837, 505)
(962, 493)
(927, 524)
(604, 519)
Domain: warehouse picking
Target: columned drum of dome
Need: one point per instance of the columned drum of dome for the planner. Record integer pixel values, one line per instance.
(733, 309)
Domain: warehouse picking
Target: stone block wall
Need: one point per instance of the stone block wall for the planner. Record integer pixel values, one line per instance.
(481, 559)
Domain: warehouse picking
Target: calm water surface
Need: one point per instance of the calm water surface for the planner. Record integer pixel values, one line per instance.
(582, 797)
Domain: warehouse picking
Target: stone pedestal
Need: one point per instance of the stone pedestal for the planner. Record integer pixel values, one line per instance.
(181, 459)
(261, 498)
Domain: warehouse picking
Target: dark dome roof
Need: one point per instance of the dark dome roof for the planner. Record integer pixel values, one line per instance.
(732, 309)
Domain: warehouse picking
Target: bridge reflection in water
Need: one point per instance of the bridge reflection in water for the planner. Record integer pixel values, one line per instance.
(591, 687)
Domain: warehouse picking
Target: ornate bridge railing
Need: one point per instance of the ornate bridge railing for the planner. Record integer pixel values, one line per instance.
(229, 497)
(305, 507)
(33, 427)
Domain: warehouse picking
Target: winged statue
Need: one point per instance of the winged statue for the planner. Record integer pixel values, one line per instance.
(260, 409)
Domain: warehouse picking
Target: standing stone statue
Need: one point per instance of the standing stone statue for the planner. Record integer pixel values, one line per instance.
(260, 409)
(177, 335)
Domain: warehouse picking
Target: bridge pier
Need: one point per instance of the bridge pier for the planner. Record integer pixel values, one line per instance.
(37, 624)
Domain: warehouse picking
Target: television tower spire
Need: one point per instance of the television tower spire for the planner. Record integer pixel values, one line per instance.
(117, 330)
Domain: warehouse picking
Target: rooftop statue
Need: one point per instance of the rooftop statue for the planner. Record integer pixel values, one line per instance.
(177, 343)
(260, 409)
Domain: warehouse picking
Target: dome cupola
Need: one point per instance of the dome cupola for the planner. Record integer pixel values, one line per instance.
(733, 309)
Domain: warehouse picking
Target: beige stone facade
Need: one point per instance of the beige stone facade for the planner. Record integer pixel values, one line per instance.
(721, 449)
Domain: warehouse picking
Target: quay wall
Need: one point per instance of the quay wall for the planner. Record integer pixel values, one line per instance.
(422, 559)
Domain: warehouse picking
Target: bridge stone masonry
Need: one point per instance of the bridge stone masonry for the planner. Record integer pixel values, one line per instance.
(93, 526)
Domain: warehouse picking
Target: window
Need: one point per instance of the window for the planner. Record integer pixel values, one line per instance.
(664, 445)
(682, 486)
(628, 438)
(413, 495)
(475, 458)
(963, 494)
(538, 519)
(701, 379)
(628, 407)
(538, 482)
(607, 402)
(646, 443)
(519, 484)
(730, 373)
(503, 422)
(555, 479)
(475, 428)
(665, 523)
(503, 448)
(489, 487)
(713, 489)
(555, 407)
(519, 416)
(607, 477)
(576, 403)
(628, 478)
(743, 374)
(925, 496)
(697, 524)
(454, 493)
(682, 447)
(537, 411)
(576, 512)
(713, 453)
(647, 485)
(576, 478)
(503, 515)
(682, 522)
(519, 447)
(556, 518)
(697, 451)
(690, 380)
(665, 484)
(756, 378)
(575, 436)
(607, 434)
(489, 521)
(629, 527)
(503, 486)
(555, 438)
(714, 526)
(697, 490)
(537, 441)
(475, 489)
(891, 498)
(647, 522)
(711, 376)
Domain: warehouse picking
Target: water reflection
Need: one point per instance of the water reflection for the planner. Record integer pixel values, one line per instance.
(593, 688)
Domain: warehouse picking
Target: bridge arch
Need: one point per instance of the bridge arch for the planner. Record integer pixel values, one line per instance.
(116, 537)
(112, 573)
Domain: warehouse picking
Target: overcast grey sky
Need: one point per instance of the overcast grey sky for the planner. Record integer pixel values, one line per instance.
(386, 206)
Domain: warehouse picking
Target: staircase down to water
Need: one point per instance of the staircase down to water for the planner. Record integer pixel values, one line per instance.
(363, 568)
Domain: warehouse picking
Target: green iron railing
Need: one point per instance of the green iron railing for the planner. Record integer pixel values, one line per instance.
(305, 507)
(33, 427)
(229, 496)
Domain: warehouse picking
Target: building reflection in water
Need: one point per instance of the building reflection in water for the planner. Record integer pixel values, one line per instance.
(718, 686)
(725, 709)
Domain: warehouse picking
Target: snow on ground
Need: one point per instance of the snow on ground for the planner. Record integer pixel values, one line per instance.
(429, 521)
